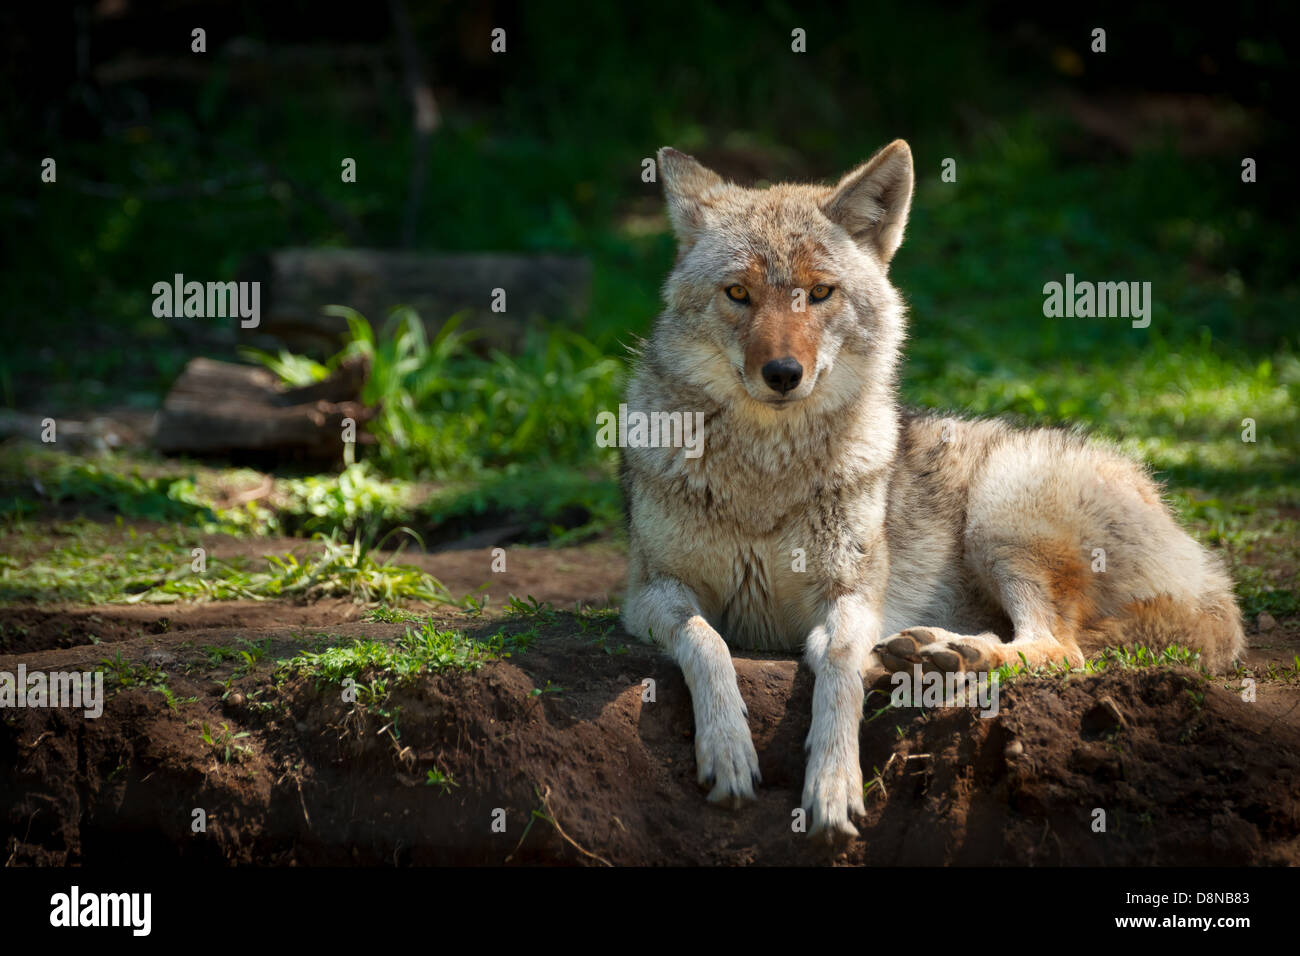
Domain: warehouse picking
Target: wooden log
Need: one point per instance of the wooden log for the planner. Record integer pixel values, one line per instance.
(298, 283)
(219, 408)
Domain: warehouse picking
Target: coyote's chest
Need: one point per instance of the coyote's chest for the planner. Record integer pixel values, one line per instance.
(763, 527)
(759, 593)
(757, 570)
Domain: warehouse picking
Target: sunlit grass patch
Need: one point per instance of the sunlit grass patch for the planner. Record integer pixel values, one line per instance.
(391, 615)
(160, 568)
(1169, 405)
(87, 563)
(206, 497)
(373, 667)
(1113, 659)
(1257, 531)
(121, 674)
(1110, 659)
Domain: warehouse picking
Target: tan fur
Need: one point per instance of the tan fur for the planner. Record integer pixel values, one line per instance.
(773, 335)
(957, 544)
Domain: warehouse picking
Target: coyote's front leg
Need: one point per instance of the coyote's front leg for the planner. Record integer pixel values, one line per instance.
(838, 651)
(668, 613)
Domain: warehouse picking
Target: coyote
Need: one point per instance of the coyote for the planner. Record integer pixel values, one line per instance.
(822, 515)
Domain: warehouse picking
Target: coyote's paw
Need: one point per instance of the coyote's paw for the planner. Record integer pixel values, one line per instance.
(725, 756)
(832, 790)
(938, 650)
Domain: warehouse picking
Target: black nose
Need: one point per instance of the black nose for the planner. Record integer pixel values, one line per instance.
(783, 374)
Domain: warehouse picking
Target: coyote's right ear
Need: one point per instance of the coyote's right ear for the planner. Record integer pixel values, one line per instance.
(686, 185)
(873, 201)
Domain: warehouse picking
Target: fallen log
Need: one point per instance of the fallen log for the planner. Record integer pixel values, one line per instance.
(298, 283)
(219, 408)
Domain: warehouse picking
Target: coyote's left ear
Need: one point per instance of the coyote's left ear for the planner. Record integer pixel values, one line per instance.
(872, 202)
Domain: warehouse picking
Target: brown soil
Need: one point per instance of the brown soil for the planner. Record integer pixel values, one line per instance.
(1194, 775)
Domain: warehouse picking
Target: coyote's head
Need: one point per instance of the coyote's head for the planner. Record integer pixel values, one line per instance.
(782, 292)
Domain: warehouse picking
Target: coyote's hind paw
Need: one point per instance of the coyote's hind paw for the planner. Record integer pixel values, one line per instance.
(939, 651)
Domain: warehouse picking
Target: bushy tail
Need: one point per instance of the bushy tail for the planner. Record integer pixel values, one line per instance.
(1211, 626)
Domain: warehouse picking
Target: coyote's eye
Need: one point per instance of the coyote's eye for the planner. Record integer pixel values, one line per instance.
(820, 292)
(737, 293)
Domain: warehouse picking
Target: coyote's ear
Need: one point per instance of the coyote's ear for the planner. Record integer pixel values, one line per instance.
(686, 186)
(872, 202)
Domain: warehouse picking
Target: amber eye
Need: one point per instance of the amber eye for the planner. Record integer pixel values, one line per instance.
(820, 292)
(737, 293)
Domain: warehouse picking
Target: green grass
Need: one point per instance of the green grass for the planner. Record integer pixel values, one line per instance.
(367, 672)
(120, 674)
(558, 504)
(217, 655)
(443, 781)
(530, 608)
(157, 567)
(391, 615)
(1110, 659)
(374, 666)
(223, 742)
(1113, 659)
(129, 493)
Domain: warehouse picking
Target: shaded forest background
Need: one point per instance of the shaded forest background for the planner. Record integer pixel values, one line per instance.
(1117, 166)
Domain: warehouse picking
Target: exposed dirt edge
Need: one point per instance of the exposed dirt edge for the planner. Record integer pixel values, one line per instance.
(1192, 776)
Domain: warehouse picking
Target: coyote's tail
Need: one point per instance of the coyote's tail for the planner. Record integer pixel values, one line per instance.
(1211, 626)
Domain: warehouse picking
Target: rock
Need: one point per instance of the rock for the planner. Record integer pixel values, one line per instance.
(1265, 621)
(221, 408)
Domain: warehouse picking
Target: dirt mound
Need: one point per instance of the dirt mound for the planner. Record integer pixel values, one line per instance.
(557, 755)
(1184, 771)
